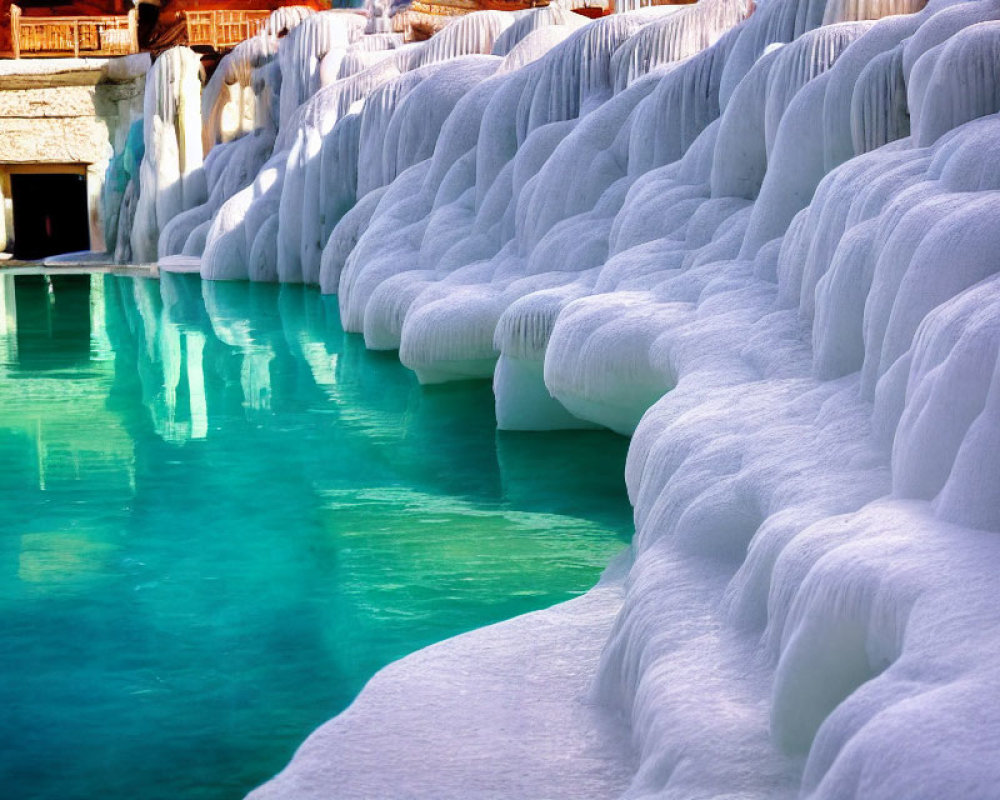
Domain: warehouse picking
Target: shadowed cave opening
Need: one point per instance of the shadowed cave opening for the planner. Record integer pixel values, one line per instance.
(50, 214)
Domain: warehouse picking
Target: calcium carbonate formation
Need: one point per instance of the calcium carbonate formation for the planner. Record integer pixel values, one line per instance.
(761, 239)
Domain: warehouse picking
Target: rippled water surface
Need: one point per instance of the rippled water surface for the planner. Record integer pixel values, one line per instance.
(221, 515)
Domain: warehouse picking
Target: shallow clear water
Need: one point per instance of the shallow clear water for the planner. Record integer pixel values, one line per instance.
(221, 515)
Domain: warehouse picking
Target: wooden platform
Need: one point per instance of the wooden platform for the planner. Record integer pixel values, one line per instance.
(73, 36)
(222, 29)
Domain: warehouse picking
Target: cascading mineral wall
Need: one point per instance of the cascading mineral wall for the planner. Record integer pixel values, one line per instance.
(171, 180)
(760, 240)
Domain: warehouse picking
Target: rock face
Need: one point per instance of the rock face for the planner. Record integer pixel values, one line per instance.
(63, 114)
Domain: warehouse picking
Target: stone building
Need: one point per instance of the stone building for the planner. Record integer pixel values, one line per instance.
(60, 123)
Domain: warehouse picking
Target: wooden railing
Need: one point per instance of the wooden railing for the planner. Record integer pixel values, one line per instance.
(439, 9)
(222, 30)
(73, 36)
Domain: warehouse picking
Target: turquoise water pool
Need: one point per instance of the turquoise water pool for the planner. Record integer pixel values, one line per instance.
(221, 515)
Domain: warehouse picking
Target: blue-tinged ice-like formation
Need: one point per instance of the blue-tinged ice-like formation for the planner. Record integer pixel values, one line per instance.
(761, 240)
(121, 191)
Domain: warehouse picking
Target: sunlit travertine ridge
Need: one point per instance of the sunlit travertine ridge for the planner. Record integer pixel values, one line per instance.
(762, 240)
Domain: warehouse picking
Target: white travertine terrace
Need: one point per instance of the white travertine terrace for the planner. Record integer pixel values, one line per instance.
(763, 242)
(170, 177)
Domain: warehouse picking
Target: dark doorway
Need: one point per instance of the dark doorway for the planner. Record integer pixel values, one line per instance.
(50, 214)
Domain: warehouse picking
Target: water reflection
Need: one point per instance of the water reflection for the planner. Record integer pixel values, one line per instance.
(224, 514)
(52, 321)
(55, 370)
(202, 349)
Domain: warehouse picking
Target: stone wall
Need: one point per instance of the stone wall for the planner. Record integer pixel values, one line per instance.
(56, 113)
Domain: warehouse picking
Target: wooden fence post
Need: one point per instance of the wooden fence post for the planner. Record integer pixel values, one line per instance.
(15, 29)
(133, 29)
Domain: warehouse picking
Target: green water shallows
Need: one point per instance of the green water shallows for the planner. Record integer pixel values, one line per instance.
(221, 515)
